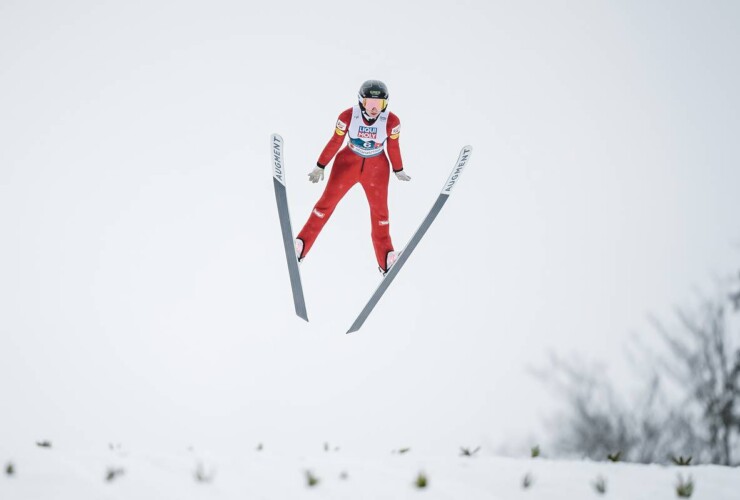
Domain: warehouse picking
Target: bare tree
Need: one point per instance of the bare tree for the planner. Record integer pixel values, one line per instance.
(703, 359)
(598, 423)
(689, 405)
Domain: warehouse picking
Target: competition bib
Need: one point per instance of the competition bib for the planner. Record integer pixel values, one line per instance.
(367, 140)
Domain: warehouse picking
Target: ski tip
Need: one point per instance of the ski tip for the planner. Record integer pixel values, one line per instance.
(353, 329)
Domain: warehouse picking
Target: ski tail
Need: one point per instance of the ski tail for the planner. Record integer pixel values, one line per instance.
(462, 161)
(281, 197)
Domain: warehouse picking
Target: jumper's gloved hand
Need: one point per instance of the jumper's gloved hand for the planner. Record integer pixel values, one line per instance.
(316, 175)
(401, 175)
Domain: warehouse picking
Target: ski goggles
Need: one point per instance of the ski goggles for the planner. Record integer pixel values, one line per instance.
(369, 103)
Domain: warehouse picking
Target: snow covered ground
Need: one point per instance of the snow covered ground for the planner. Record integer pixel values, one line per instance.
(68, 473)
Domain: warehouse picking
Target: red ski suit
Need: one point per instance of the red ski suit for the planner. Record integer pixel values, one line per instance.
(350, 168)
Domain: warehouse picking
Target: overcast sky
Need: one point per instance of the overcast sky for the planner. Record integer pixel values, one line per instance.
(144, 295)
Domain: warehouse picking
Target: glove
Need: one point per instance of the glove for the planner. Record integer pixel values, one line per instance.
(401, 175)
(316, 175)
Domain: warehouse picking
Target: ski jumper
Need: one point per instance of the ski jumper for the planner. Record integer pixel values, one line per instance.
(363, 160)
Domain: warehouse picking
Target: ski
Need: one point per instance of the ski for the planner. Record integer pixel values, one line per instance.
(462, 160)
(278, 180)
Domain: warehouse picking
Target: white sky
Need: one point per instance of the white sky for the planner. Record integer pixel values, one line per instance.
(143, 288)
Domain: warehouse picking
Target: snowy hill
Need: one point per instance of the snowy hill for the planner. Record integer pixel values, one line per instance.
(118, 473)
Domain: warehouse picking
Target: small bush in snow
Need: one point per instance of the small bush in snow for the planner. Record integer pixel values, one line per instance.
(113, 473)
(201, 475)
(344, 475)
(327, 447)
(311, 480)
(527, 481)
(43, 444)
(681, 461)
(535, 451)
(465, 452)
(685, 488)
(259, 447)
(10, 469)
(600, 485)
(615, 457)
(422, 481)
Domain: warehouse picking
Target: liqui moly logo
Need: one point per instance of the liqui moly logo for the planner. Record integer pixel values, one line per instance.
(457, 171)
(277, 158)
(368, 132)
